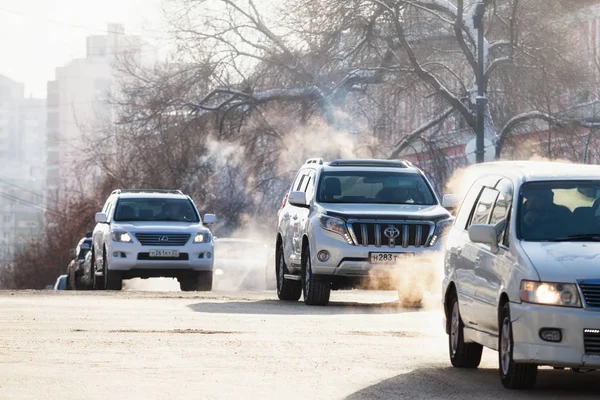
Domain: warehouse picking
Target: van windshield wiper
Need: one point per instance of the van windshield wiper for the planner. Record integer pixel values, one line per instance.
(583, 237)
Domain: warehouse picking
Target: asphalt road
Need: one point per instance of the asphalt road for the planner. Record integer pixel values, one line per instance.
(173, 345)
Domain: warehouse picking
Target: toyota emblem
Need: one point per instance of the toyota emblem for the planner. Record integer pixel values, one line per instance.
(391, 232)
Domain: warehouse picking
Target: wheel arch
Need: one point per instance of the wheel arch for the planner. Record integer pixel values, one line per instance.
(449, 291)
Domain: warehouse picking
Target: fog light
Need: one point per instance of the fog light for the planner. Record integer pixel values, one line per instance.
(551, 334)
(218, 271)
(208, 254)
(323, 255)
(116, 254)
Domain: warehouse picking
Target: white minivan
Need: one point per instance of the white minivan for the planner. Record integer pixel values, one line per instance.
(522, 269)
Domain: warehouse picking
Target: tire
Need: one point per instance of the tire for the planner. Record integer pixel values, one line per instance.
(98, 280)
(512, 375)
(204, 281)
(462, 355)
(316, 289)
(114, 281)
(287, 290)
(201, 282)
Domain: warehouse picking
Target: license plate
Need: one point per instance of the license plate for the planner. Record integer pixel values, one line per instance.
(164, 253)
(388, 258)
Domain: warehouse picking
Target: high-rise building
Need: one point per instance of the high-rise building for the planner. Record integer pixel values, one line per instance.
(79, 107)
(22, 165)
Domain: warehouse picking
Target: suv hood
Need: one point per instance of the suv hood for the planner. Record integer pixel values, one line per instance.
(564, 261)
(383, 211)
(157, 226)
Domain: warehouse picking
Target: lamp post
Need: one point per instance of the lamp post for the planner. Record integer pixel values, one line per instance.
(481, 99)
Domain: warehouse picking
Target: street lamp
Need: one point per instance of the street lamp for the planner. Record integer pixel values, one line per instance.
(481, 100)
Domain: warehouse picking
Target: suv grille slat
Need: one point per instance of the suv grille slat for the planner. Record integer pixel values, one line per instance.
(591, 293)
(591, 341)
(407, 233)
(158, 239)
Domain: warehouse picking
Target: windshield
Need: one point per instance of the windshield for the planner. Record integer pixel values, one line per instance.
(559, 211)
(155, 209)
(240, 250)
(374, 187)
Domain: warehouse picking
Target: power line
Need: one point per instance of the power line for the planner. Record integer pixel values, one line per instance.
(40, 194)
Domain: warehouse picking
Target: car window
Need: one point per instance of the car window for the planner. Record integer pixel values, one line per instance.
(309, 188)
(558, 210)
(499, 215)
(155, 209)
(374, 187)
(482, 211)
(299, 181)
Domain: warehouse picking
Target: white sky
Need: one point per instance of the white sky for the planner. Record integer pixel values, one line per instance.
(38, 35)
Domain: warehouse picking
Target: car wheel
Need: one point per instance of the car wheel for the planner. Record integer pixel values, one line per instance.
(204, 281)
(316, 289)
(114, 281)
(512, 375)
(287, 289)
(462, 355)
(98, 280)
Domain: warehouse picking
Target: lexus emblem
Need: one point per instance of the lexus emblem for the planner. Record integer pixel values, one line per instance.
(164, 239)
(391, 232)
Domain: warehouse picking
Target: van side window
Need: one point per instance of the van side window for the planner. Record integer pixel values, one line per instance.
(464, 212)
(483, 208)
(501, 211)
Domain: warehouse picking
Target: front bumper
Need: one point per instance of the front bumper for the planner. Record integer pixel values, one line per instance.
(130, 256)
(528, 319)
(354, 261)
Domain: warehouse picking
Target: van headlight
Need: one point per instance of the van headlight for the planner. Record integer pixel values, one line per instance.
(335, 225)
(554, 294)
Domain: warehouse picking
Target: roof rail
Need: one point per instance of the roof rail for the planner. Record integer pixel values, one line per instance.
(119, 191)
(314, 161)
(370, 163)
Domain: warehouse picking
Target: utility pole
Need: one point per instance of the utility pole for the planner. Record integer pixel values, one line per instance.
(481, 98)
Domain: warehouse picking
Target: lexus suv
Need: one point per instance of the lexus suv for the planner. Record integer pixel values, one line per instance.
(152, 233)
(521, 270)
(360, 223)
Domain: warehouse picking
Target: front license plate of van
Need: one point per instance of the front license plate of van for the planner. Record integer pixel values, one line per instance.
(388, 258)
(164, 253)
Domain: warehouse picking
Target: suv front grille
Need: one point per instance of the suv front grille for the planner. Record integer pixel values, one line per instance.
(591, 341)
(591, 293)
(391, 234)
(162, 239)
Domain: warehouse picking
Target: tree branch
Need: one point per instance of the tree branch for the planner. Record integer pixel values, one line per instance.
(416, 134)
(519, 119)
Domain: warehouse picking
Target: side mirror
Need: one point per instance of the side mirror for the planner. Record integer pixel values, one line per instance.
(450, 201)
(101, 218)
(73, 253)
(297, 199)
(485, 234)
(209, 219)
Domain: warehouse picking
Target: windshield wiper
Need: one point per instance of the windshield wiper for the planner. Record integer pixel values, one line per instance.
(582, 237)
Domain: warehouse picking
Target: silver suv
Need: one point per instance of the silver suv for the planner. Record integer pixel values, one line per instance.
(152, 233)
(350, 224)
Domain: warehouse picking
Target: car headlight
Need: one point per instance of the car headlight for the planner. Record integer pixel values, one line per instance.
(202, 237)
(441, 227)
(555, 294)
(123, 237)
(335, 225)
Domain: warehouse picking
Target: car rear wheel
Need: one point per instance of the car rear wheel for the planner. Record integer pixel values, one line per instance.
(317, 289)
(512, 375)
(462, 355)
(287, 289)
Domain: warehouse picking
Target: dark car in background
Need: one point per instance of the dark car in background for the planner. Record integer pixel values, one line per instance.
(75, 271)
